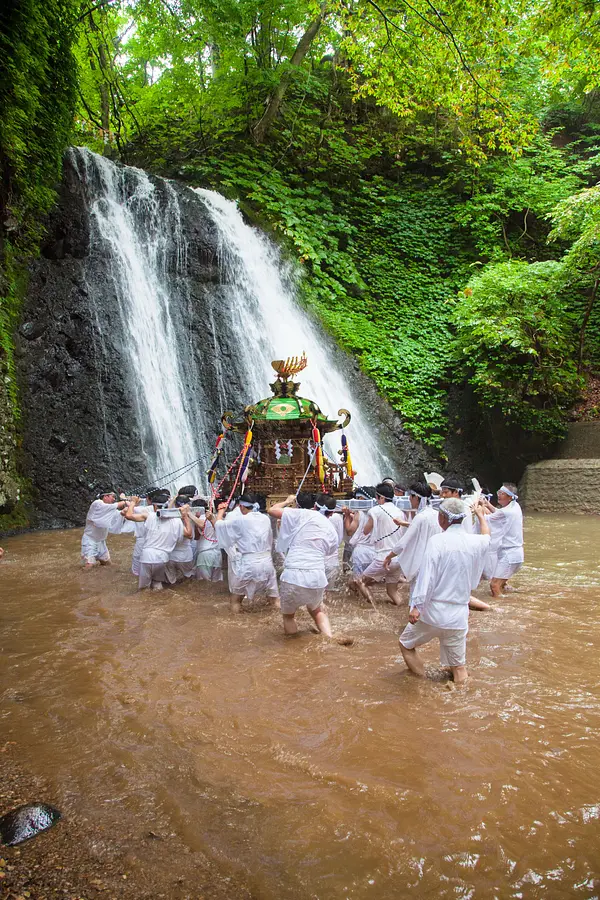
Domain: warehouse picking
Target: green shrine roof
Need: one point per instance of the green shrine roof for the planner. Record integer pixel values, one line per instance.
(285, 409)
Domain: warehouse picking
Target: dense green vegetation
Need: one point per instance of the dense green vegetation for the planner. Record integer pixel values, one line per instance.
(37, 104)
(432, 170)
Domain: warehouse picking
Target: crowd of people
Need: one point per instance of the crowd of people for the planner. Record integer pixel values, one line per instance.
(432, 550)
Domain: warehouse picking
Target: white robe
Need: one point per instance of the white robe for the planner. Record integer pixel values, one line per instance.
(411, 546)
(100, 520)
(385, 533)
(160, 537)
(506, 527)
(252, 535)
(362, 546)
(307, 538)
(231, 550)
(450, 569)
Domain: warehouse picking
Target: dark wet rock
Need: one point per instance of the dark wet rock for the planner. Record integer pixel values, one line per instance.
(26, 822)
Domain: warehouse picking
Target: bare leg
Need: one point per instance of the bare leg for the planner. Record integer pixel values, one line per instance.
(289, 624)
(321, 620)
(89, 565)
(413, 660)
(496, 586)
(235, 603)
(394, 593)
(363, 590)
(275, 604)
(460, 674)
(474, 603)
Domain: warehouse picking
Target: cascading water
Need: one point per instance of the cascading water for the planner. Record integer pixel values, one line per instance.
(266, 323)
(197, 338)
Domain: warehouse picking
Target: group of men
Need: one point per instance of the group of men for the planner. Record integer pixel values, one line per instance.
(438, 553)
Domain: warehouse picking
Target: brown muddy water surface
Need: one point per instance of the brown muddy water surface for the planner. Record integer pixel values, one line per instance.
(299, 768)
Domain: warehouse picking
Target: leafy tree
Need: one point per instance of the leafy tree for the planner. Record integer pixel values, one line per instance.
(515, 344)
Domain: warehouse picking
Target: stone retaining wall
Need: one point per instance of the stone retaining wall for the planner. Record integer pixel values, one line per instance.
(562, 485)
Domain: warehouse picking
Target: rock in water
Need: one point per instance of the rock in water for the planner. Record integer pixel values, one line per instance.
(25, 822)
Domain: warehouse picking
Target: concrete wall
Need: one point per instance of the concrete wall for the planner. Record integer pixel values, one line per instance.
(582, 442)
(562, 485)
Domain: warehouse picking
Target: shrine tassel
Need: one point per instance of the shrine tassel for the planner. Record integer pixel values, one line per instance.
(346, 458)
(212, 469)
(246, 458)
(319, 455)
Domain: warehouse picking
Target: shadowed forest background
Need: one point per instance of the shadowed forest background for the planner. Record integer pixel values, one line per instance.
(431, 167)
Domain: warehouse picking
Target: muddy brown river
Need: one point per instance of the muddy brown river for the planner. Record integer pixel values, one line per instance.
(300, 768)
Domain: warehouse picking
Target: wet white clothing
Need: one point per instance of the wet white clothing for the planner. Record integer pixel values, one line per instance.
(506, 550)
(362, 547)
(453, 641)
(161, 537)
(139, 529)
(332, 562)
(292, 597)
(307, 538)
(209, 562)
(100, 520)
(411, 546)
(231, 550)
(252, 535)
(93, 551)
(181, 561)
(385, 533)
(450, 569)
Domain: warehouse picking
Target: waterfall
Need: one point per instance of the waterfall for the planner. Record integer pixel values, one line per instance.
(141, 240)
(267, 323)
(197, 337)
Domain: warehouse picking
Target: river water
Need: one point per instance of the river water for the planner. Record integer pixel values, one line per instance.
(299, 768)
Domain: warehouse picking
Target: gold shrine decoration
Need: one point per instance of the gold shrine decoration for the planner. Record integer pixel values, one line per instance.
(290, 366)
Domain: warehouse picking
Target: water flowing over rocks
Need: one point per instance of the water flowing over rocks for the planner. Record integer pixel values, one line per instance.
(133, 340)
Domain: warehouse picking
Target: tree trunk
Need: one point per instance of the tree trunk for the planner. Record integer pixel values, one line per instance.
(261, 129)
(586, 318)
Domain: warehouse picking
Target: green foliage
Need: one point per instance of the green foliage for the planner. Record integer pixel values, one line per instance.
(37, 99)
(515, 342)
(37, 95)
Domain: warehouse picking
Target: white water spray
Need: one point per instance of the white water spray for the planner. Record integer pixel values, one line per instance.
(138, 235)
(267, 323)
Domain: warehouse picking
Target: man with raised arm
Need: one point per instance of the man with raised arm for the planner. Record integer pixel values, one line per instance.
(161, 537)
(102, 517)
(450, 569)
(506, 527)
(384, 522)
(307, 538)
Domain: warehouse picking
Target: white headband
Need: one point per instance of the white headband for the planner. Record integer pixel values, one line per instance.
(255, 507)
(323, 509)
(453, 517)
(508, 491)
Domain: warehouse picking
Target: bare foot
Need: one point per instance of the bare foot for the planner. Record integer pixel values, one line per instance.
(235, 606)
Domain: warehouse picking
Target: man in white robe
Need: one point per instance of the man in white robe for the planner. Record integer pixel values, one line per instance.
(326, 504)
(161, 537)
(181, 557)
(506, 526)
(103, 517)
(384, 523)
(208, 557)
(307, 538)
(452, 489)
(252, 535)
(361, 544)
(450, 570)
(410, 548)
